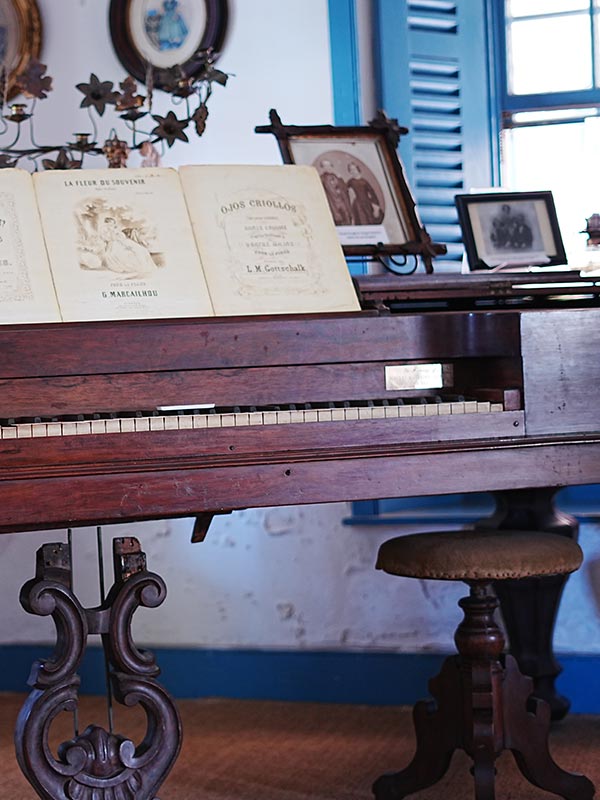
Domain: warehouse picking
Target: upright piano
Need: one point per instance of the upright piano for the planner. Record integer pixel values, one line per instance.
(441, 384)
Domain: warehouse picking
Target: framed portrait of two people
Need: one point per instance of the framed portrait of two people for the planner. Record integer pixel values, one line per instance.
(364, 181)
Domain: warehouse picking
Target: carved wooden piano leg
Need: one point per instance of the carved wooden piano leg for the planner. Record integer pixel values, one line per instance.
(529, 606)
(96, 763)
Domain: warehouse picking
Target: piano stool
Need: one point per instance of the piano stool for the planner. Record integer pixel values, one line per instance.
(483, 703)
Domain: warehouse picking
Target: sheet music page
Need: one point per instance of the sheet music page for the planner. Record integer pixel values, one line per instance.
(267, 240)
(120, 244)
(26, 288)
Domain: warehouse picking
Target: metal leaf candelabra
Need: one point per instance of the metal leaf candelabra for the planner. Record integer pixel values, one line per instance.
(145, 130)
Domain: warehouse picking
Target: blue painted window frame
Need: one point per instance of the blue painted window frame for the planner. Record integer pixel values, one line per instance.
(510, 103)
(345, 66)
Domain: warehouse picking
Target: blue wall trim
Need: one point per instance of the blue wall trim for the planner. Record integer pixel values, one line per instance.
(345, 68)
(309, 676)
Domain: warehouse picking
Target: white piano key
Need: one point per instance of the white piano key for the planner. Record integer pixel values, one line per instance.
(484, 407)
(417, 410)
(270, 417)
(364, 412)
(337, 414)
(378, 412)
(470, 406)
(310, 415)
(405, 411)
(171, 423)
(296, 416)
(496, 407)
(39, 429)
(444, 409)
(351, 413)
(157, 423)
(200, 420)
(431, 410)
(114, 425)
(242, 419)
(127, 425)
(284, 417)
(457, 408)
(99, 426)
(9, 432)
(256, 418)
(24, 431)
(55, 429)
(213, 420)
(227, 420)
(392, 412)
(184, 422)
(324, 414)
(83, 427)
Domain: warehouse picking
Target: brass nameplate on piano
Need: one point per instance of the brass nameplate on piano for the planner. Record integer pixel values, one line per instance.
(402, 377)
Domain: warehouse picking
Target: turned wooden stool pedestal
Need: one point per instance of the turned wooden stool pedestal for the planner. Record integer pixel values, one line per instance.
(484, 704)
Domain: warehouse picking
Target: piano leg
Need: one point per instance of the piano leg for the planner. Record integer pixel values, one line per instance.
(529, 606)
(95, 763)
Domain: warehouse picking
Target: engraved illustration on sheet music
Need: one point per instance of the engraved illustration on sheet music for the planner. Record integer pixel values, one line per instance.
(121, 244)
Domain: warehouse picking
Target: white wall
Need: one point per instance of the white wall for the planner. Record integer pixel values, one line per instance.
(280, 578)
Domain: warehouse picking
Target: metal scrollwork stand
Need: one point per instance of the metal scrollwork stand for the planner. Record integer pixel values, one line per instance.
(96, 764)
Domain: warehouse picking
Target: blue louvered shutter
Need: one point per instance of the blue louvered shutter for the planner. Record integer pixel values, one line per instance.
(433, 76)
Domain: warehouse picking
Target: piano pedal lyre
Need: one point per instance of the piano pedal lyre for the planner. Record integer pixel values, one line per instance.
(97, 762)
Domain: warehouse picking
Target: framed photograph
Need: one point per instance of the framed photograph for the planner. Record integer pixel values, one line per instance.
(165, 33)
(20, 38)
(363, 178)
(504, 229)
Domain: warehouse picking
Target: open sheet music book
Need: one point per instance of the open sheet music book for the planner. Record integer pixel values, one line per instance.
(267, 240)
(148, 243)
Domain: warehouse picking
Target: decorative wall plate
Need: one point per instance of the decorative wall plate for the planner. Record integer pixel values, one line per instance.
(20, 37)
(165, 33)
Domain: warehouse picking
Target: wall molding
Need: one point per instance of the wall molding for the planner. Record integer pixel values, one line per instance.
(310, 676)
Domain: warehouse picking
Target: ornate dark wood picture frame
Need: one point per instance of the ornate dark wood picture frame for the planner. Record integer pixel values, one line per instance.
(371, 203)
(160, 34)
(504, 229)
(20, 38)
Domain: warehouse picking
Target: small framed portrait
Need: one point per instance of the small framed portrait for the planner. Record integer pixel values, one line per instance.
(161, 34)
(20, 38)
(364, 182)
(504, 229)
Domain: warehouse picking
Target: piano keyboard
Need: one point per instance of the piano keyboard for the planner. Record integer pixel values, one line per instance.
(192, 419)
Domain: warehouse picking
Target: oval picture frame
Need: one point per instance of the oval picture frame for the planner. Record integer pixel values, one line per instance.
(20, 38)
(163, 33)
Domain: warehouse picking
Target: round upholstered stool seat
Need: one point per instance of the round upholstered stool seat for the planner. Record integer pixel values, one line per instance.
(479, 555)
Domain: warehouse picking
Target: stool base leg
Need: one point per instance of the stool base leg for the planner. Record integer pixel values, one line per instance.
(430, 762)
(436, 731)
(526, 734)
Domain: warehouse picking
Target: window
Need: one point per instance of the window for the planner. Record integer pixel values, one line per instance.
(548, 65)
